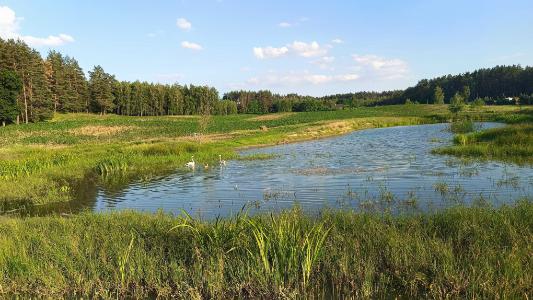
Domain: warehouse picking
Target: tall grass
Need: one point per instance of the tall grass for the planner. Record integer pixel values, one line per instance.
(513, 143)
(458, 253)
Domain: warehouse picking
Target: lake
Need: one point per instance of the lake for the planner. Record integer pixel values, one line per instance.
(384, 169)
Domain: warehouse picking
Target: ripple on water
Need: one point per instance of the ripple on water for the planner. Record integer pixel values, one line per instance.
(376, 167)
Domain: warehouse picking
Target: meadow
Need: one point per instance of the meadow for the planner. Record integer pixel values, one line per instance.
(43, 162)
(476, 252)
(459, 252)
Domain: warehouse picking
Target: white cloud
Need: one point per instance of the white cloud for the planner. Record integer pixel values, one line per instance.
(191, 45)
(382, 67)
(9, 29)
(51, 40)
(184, 24)
(303, 49)
(308, 49)
(284, 24)
(337, 41)
(9, 24)
(298, 79)
(270, 52)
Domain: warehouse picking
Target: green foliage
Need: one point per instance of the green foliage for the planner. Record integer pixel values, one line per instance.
(490, 83)
(458, 253)
(479, 102)
(438, 96)
(10, 86)
(462, 126)
(465, 93)
(58, 84)
(226, 107)
(283, 105)
(456, 104)
(67, 83)
(101, 86)
(44, 157)
(34, 101)
(512, 143)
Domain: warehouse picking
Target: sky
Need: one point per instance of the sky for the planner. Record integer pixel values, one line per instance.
(307, 47)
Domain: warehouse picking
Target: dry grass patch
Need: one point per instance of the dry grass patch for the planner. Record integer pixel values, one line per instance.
(99, 130)
(331, 128)
(199, 138)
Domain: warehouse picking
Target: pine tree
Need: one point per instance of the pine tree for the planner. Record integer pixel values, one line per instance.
(10, 86)
(77, 92)
(101, 90)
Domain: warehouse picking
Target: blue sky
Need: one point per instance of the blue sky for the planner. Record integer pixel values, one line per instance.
(308, 47)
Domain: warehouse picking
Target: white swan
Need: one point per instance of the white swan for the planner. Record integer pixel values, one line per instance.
(191, 164)
(220, 161)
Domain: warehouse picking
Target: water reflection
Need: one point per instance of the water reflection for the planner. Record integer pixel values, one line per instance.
(376, 169)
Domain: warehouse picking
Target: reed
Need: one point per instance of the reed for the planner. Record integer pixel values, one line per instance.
(462, 252)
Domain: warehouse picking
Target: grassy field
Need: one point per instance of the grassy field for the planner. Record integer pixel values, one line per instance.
(461, 252)
(477, 252)
(45, 161)
(513, 143)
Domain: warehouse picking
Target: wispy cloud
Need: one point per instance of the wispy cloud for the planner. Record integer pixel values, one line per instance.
(287, 24)
(10, 26)
(298, 79)
(184, 24)
(385, 68)
(312, 49)
(191, 46)
(270, 52)
(299, 48)
(337, 41)
(324, 62)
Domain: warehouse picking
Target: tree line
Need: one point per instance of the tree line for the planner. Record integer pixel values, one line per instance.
(498, 85)
(33, 88)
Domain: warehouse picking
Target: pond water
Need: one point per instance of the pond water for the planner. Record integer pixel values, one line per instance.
(375, 169)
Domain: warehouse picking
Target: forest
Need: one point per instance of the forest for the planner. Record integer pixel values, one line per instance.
(33, 88)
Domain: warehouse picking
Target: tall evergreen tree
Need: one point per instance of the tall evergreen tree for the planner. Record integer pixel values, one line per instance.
(101, 86)
(10, 86)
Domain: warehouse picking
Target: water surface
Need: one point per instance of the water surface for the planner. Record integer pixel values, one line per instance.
(374, 169)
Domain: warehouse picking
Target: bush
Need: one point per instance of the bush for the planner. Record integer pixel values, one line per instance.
(478, 103)
(463, 126)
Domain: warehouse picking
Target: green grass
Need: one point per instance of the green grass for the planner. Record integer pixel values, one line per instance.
(513, 143)
(45, 161)
(478, 252)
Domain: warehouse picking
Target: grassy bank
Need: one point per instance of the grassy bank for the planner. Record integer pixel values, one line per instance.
(46, 161)
(458, 253)
(513, 143)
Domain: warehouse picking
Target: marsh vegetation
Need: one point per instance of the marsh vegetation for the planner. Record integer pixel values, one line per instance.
(374, 240)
